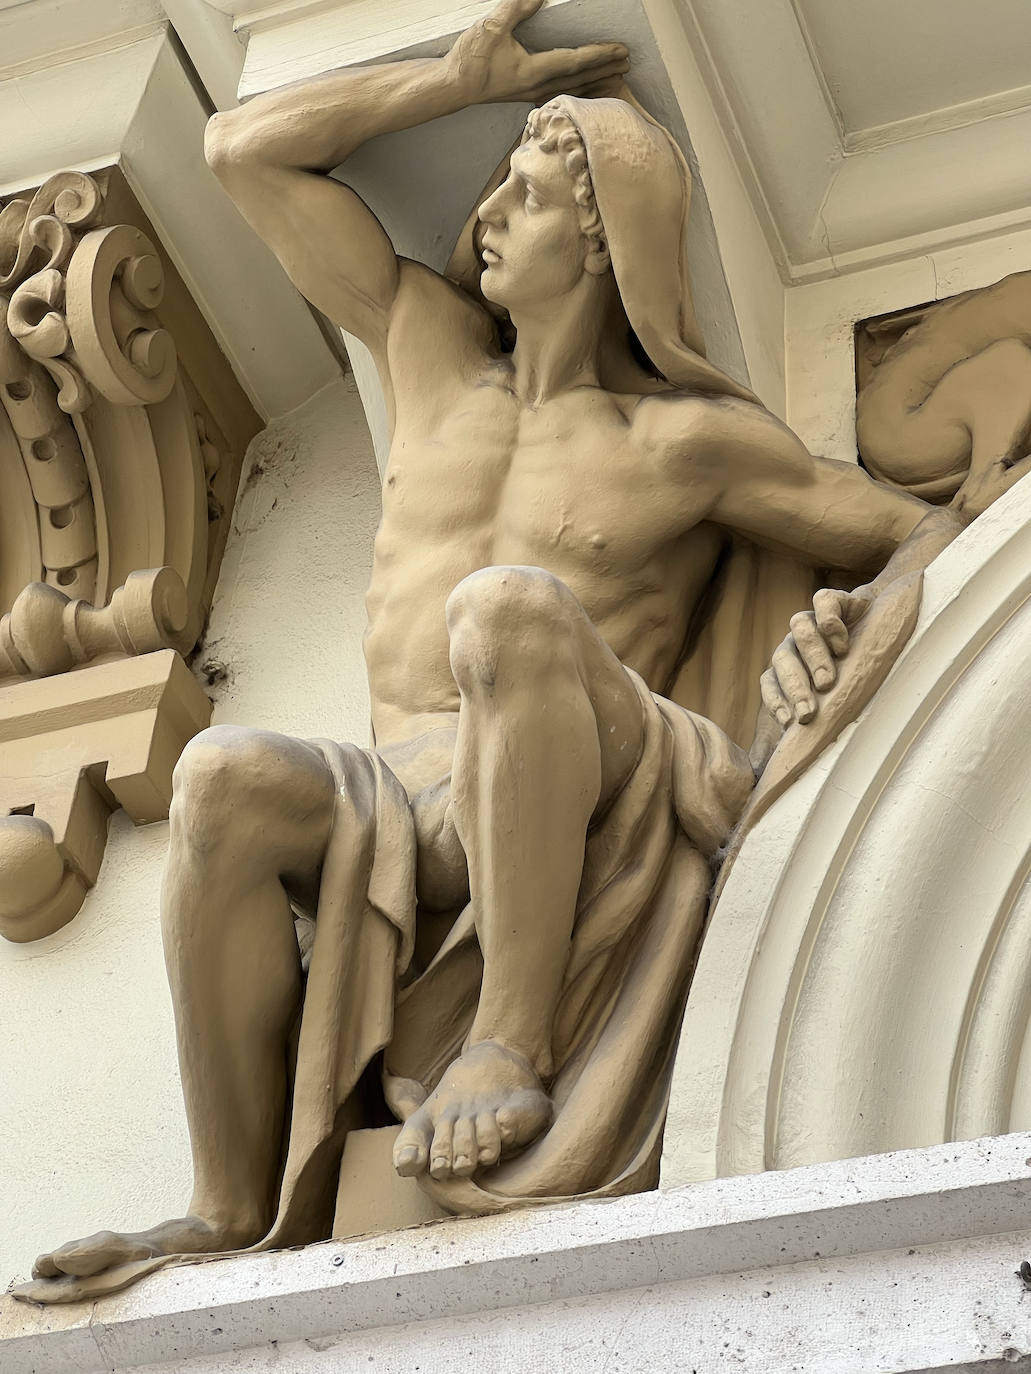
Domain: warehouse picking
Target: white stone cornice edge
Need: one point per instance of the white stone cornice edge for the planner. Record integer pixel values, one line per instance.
(939, 1210)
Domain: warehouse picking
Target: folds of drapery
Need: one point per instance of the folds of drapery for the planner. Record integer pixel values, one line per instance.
(640, 912)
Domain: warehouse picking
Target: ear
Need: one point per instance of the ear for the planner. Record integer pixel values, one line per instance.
(597, 262)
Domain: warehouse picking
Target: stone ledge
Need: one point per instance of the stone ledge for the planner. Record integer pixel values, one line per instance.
(73, 748)
(854, 1252)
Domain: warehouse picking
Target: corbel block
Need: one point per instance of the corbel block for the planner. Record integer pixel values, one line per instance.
(74, 748)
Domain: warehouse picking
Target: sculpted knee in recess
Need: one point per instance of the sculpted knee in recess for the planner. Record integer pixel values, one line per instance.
(569, 613)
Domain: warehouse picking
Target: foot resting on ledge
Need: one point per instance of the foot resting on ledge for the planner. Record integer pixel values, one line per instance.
(109, 1260)
(490, 1102)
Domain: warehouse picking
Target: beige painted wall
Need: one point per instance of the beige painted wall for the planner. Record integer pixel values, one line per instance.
(92, 1132)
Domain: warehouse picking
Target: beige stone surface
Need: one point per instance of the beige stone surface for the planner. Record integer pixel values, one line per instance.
(949, 400)
(117, 475)
(371, 1195)
(106, 1095)
(532, 599)
(72, 748)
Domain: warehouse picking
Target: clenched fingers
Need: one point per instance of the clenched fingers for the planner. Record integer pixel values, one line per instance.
(794, 681)
(774, 699)
(813, 648)
(829, 609)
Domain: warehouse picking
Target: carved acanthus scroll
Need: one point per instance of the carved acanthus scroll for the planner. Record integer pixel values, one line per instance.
(120, 449)
(86, 313)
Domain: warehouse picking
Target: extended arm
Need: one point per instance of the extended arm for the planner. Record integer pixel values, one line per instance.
(272, 155)
(757, 477)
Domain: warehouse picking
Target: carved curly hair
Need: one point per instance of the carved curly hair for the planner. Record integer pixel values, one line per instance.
(554, 131)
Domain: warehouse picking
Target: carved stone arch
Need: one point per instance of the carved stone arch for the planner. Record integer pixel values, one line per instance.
(865, 981)
(122, 433)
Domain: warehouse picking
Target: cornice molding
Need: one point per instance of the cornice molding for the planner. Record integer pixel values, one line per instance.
(844, 201)
(132, 98)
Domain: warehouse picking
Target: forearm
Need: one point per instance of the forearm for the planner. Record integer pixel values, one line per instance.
(928, 539)
(318, 124)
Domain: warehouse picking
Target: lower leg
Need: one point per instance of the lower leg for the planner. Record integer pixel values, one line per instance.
(248, 807)
(550, 728)
(526, 783)
(236, 984)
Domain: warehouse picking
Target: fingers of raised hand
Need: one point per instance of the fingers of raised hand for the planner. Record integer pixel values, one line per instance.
(812, 646)
(829, 608)
(504, 17)
(592, 60)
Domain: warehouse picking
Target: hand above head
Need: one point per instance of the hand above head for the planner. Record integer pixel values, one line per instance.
(804, 663)
(493, 66)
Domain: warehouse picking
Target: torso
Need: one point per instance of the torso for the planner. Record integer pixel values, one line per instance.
(477, 478)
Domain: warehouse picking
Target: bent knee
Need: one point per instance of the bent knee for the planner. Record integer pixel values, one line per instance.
(231, 778)
(518, 608)
(217, 757)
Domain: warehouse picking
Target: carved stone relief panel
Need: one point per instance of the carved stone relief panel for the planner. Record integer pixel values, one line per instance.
(943, 390)
(122, 433)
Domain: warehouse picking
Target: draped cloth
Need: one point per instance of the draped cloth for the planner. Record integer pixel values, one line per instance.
(639, 915)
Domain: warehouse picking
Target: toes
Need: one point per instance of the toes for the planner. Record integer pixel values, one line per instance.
(440, 1150)
(524, 1117)
(488, 1139)
(411, 1149)
(45, 1268)
(84, 1257)
(463, 1147)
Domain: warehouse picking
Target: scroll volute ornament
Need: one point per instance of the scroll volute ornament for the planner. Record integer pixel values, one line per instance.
(118, 465)
(86, 313)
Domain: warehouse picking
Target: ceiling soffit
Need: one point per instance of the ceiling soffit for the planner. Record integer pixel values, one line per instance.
(863, 137)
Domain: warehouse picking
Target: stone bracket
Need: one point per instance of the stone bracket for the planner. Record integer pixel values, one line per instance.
(74, 748)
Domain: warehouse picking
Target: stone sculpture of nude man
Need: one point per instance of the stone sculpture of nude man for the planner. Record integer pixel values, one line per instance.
(551, 517)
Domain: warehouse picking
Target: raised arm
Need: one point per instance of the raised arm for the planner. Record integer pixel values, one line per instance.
(273, 154)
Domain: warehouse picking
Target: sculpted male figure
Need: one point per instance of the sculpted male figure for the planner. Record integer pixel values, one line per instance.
(552, 518)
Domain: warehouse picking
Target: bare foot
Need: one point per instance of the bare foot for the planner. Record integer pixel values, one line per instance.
(67, 1273)
(488, 1103)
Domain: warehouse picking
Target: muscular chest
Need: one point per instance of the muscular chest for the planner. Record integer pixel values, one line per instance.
(558, 485)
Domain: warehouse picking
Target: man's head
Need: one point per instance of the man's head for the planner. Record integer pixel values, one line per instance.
(596, 201)
(542, 230)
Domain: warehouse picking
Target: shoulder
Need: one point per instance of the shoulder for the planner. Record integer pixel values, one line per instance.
(683, 428)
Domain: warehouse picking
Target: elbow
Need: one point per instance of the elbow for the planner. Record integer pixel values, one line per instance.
(224, 146)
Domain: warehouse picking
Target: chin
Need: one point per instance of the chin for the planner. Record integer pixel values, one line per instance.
(505, 293)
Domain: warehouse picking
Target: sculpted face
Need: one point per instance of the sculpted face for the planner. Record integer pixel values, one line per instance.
(533, 245)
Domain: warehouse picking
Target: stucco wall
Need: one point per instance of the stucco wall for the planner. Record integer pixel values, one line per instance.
(92, 1131)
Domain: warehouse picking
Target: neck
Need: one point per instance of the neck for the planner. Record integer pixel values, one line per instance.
(564, 344)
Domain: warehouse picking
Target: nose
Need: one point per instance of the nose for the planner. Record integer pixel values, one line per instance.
(492, 210)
